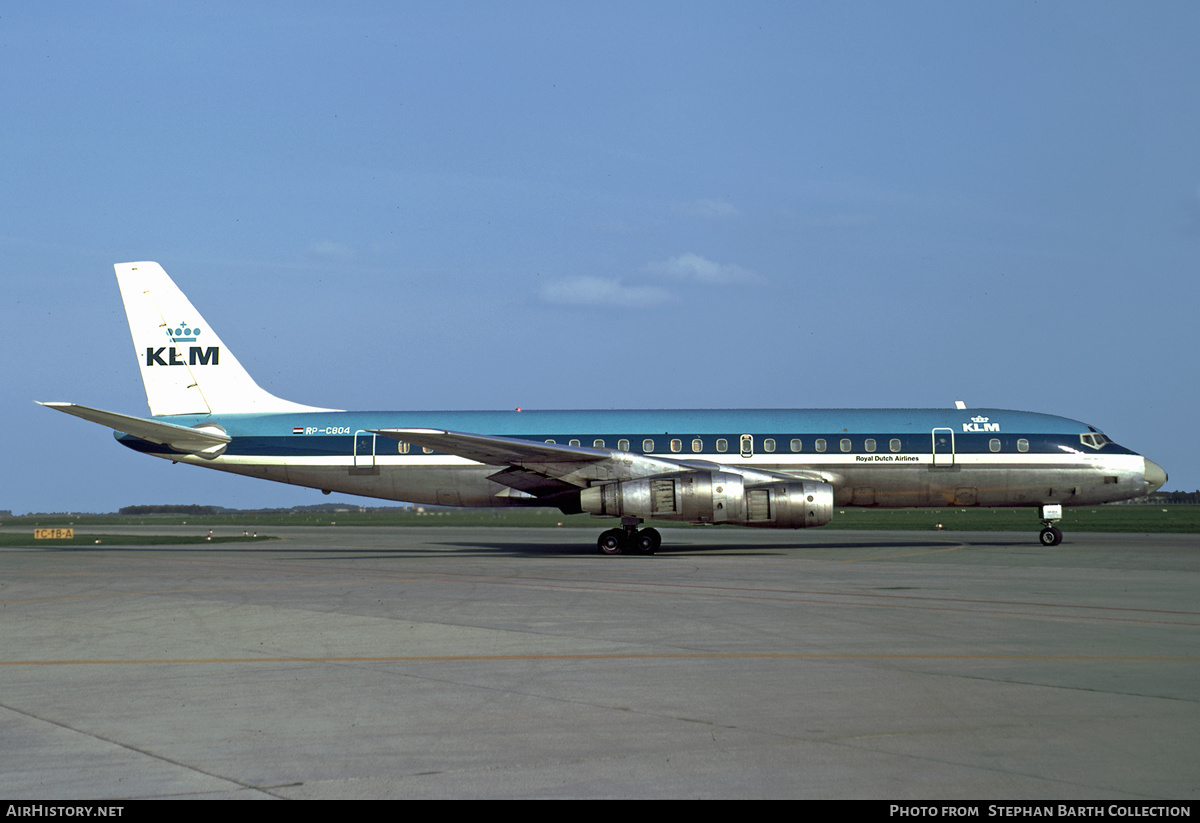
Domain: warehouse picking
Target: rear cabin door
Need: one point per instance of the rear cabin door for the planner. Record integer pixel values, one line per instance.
(364, 449)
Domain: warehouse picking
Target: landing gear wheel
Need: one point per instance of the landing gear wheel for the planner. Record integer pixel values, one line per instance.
(611, 542)
(1051, 536)
(647, 541)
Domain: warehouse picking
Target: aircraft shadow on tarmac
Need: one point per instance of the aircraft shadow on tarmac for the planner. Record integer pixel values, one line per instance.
(741, 549)
(517, 547)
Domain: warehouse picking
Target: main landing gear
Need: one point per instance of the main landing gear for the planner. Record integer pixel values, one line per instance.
(1051, 535)
(629, 539)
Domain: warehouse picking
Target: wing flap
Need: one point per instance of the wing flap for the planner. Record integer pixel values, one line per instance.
(531, 482)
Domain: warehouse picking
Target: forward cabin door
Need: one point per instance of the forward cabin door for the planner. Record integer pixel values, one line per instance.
(943, 447)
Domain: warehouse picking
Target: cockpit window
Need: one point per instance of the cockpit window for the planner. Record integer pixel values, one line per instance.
(1094, 440)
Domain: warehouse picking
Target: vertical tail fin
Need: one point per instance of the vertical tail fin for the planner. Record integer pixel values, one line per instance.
(186, 369)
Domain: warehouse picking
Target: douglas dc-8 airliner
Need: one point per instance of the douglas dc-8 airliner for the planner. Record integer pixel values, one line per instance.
(783, 469)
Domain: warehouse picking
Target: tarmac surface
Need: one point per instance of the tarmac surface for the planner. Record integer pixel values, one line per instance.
(469, 662)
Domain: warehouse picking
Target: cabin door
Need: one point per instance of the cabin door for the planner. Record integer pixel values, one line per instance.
(943, 447)
(364, 449)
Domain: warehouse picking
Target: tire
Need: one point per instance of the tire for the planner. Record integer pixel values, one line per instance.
(648, 541)
(611, 542)
(1051, 536)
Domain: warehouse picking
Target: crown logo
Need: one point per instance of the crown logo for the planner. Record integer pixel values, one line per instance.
(979, 419)
(183, 333)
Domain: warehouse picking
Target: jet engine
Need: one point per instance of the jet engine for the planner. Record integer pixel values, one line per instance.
(714, 497)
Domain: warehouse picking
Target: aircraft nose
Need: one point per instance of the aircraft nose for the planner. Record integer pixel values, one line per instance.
(1155, 476)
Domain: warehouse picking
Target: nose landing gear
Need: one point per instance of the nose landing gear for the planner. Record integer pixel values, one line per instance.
(629, 539)
(1051, 535)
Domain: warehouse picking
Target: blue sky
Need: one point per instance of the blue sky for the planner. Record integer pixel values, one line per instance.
(601, 205)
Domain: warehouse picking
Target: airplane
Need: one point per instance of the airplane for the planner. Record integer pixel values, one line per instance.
(769, 468)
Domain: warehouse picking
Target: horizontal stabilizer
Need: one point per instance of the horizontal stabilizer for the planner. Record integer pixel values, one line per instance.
(207, 441)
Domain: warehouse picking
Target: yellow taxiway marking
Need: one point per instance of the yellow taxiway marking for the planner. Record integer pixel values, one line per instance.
(205, 589)
(452, 658)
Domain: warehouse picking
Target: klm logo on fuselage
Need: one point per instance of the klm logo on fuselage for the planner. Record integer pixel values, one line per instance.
(197, 355)
(980, 424)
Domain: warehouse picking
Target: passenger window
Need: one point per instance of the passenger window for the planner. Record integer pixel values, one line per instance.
(676, 446)
(768, 445)
(697, 445)
(1022, 445)
(796, 445)
(994, 444)
(869, 444)
(647, 445)
(722, 445)
(550, 441)
(623, 445)
(845, 444)
(403, 447)
(597, 444)
(747, 445)
(573, 443)
(821, 445)
(894, 444)
(427, 450)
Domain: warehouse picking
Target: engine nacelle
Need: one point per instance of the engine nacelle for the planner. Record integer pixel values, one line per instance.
(714, 497)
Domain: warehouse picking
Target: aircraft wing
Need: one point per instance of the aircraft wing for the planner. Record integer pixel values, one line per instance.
(497, 451)
(209, 441)
(542, 469)
(533, 467)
